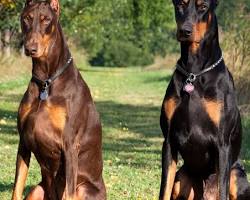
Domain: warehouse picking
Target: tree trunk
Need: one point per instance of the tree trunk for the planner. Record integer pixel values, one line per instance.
(7, 35)
(22, 52)
(1, 44)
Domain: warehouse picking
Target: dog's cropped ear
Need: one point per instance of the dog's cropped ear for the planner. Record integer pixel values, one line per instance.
(55, 6)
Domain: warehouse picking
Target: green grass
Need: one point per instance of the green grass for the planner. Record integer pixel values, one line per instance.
(129, 102)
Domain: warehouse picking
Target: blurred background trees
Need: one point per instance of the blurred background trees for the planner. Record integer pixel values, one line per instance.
(119, 32)
(129, 32)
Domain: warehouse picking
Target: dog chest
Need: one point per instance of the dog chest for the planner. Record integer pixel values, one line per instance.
(42, 125)
(193, 111)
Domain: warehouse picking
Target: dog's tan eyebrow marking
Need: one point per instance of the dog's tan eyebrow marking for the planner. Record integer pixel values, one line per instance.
(199, 2)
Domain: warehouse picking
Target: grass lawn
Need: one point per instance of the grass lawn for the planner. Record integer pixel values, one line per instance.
(129, 102)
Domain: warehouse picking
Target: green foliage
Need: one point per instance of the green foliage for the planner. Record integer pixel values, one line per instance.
(237, 46)
(120, 53)
(9, 17)
(122, 32)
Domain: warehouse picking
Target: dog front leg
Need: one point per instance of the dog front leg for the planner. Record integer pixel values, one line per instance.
(224, 172)
(22, 166)
(169, 165)
(71, 165)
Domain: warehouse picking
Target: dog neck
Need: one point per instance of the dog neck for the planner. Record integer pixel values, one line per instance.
(197, 56)
(58, 54)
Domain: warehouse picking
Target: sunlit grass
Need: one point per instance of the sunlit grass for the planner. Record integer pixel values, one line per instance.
(129, 102)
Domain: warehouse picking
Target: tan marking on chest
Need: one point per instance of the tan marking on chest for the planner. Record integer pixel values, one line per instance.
(213, 109)
(57, 116)
(170, 106)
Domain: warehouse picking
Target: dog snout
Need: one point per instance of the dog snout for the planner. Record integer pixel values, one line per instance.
(31, 48)
(186, 31)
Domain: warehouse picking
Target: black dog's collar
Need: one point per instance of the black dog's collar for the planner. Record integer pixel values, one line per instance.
(44, 85)
(191, 77)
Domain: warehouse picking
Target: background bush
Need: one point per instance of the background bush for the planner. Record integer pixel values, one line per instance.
(128, 32)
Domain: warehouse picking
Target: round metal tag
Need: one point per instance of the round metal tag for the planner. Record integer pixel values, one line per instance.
(44, 95)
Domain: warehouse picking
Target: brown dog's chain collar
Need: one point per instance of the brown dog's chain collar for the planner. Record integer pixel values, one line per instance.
(44, 85)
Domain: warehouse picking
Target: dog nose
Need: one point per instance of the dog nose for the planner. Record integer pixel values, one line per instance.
(31, 49)
(186, 31)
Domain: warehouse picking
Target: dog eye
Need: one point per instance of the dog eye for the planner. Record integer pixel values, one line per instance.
(27, 19)
(182, 5)
(45, 20)
(203, 7)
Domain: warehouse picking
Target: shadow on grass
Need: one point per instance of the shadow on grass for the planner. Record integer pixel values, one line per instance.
(163, 78)
(12, 98)
(6, 115)
(142, 119)
(9, 186)
(5, 187)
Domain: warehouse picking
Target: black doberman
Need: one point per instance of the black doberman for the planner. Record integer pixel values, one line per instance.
(199, 118)
(57, 119)
(190, 187)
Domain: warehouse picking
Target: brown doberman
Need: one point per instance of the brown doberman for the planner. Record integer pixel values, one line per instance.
(57, 119)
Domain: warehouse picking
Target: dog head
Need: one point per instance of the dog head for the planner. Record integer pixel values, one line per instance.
(193, 18)
(38, 22)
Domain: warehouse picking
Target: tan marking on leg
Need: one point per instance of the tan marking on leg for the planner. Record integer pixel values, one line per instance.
(233, 190)
(183, 188)
(213, 109)
(57, 116)
(191, 194)
(170, 180)
(176, 190)
(170, 106)
(22, 171)
(36, 193)
(80, 193)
